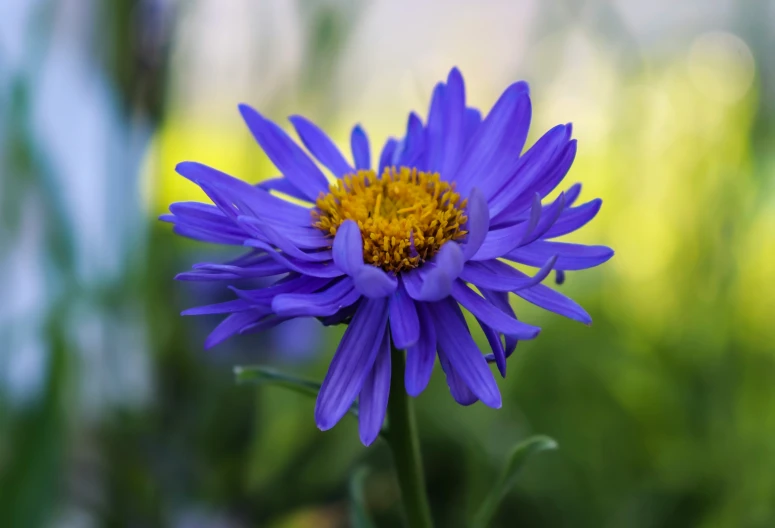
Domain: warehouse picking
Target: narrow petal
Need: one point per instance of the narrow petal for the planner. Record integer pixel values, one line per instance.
(315, 269)
(282, 185)
(374, 283)
(265, 268)
(537, 162)
(548, 178)
(499, 276)
(299, 236)
(208, 235)
(386, 157)
(472, 121)
(348, 248)
(227, 191)
(267, 323)
(323, 303)
(454, 124)
(501, 301)
(572, 194)
(458, 348)
(554, 301)
(437, 282)
(490, 315)
(457, 387)
(321, 146)
(574, 218)
(493, 153)
(404, 322)
(549, 216)
(237, 305)
(420, 356)
(232, 325)
(478, 223)
(294, 284)
(286, 155)
(413, 145)
(498, 242)
(494, 340)
(373, 400)
(359, 143)
(352, 362)
(435, 131)
(267, 233)
(570, 256)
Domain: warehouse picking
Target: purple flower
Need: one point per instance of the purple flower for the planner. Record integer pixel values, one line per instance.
(394, 252)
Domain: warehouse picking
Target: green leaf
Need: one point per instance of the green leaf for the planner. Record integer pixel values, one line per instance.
(359, 515)
(508, 477)
(266, 376)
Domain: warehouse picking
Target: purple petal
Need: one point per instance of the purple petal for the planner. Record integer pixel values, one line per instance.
(437, 282)
(457, 387)
(478, 223)
(493, 153)
(286, 155)
(266, 233)
(549, 216)
(454, 122)
(490, 315)
(570, 256)
(265, 268)
(537, 163)
(498, 242)
(352, 362)
(413, 144)
(472, 121)
(282, 185)
(501, 301)
(404, 322)
(420, 356)
(232, 325)
(323, 303)
(209, 236)
(494, 340)
(574, 218)
(348, 248)
(295, 284)
(499, 276)
(572, 194)
(359, 143)
(315, 269)
(435, 130)
(321, 146)
(227, 191)
(556, 302)
(237, 305)
(374, 283)
(549, 177)
(386, 157)
(267, 323)
(373, 400)
(457, 347)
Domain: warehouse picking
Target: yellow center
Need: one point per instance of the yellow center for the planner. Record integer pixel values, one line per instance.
(402, 207)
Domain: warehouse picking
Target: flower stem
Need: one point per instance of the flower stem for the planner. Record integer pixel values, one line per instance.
(403, 441)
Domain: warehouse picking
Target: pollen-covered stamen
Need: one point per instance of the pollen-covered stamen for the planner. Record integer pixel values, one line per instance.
(405, 215)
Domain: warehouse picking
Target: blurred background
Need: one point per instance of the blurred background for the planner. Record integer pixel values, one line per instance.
(111, 412)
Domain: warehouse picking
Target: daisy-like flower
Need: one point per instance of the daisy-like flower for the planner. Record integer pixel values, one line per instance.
(394, 248)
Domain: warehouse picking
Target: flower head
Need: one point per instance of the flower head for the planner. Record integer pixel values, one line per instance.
(395, 251)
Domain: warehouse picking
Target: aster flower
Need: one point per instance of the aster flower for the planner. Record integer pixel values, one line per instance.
(395, 248)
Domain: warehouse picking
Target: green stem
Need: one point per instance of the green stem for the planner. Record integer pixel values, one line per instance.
(403, 441)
